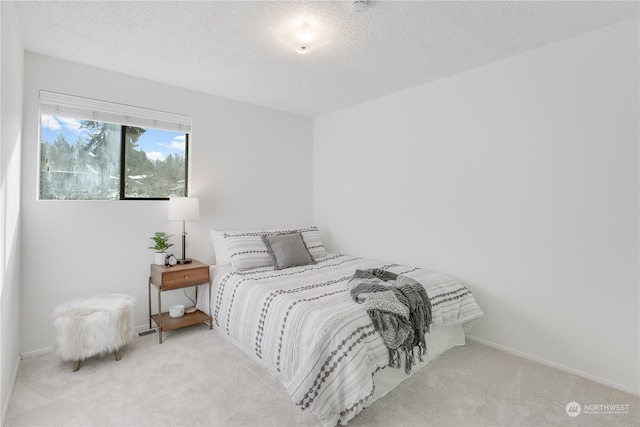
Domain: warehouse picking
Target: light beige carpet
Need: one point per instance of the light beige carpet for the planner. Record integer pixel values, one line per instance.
(196, 378)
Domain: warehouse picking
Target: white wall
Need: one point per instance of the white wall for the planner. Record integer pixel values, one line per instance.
(11, 72)
(521, 179)
(250, 166)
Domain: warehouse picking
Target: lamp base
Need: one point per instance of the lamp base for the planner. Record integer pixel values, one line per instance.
(184, 261)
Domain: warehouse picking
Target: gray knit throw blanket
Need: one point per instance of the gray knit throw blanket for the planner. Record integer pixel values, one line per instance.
(400, 310)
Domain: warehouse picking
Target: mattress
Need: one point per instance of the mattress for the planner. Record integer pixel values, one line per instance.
(303, 327)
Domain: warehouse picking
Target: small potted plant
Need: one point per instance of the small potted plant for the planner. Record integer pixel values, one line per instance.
(161, 240)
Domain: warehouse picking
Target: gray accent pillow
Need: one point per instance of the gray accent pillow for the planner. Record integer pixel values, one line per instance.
(287, 250)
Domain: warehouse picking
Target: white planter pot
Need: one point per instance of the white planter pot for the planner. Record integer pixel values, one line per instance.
(160, 256)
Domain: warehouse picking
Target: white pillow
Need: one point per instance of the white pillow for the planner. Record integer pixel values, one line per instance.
(246, 249)
(220, 248)
(311, 237)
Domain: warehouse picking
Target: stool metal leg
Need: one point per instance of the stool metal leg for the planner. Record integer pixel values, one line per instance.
(76, 365)
(117, 354)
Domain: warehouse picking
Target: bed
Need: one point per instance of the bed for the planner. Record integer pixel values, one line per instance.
(301, 324)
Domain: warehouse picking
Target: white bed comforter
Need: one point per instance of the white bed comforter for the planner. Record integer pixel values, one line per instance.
(303, 325)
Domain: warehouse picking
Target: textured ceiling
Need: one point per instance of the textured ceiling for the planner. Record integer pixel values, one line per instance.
(229, 48)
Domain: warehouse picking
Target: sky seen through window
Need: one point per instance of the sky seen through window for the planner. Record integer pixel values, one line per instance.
(156, 144)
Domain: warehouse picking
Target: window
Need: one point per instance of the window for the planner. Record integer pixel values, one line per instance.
(93, 150)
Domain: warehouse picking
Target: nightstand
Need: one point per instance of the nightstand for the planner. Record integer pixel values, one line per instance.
(177, 277)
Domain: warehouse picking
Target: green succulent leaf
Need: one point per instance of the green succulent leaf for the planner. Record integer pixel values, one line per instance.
(161, 240)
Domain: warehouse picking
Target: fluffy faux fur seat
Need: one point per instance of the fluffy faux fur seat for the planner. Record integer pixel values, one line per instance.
(90, 326)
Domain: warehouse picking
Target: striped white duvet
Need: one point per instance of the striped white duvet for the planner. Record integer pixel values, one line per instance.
(304, 327)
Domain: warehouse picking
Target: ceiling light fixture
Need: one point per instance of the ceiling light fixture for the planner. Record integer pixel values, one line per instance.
(359, 6)
(304, 38)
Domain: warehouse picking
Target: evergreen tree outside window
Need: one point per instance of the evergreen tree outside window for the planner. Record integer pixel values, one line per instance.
(82, 159)
(157, 170)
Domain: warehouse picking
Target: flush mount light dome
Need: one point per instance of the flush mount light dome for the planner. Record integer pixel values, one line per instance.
(359, 6)
(304, 38)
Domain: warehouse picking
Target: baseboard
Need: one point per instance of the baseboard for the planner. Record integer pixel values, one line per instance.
(34, 353)
(5, 405)
(559, 366)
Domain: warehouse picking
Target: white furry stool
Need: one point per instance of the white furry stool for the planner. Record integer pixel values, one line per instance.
(90, 326)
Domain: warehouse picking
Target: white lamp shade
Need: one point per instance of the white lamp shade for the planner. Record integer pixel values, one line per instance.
(184, 208)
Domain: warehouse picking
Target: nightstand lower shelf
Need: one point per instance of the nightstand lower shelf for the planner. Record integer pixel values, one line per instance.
(169, 323)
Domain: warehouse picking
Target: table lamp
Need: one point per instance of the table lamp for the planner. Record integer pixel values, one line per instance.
(184, 209)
